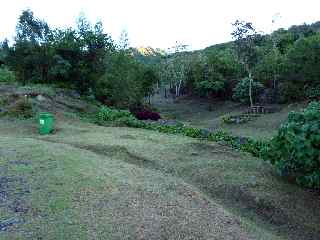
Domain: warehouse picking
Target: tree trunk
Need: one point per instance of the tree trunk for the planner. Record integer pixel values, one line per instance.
(179, 88)
(275, 72)
(250, 89)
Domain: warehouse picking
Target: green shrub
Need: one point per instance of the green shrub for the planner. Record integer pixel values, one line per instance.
(244, 144)
(295, 151)
(118, 117)
(107, 114)
(241, 91)
(6, 75)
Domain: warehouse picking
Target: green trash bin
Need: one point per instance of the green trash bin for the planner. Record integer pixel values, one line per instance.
(46, 121)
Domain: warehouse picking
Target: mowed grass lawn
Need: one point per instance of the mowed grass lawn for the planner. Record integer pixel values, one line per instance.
(92, 182)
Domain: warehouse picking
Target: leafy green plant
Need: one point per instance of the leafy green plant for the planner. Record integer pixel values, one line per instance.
(109, 114)
(241, 91)
(295, 151)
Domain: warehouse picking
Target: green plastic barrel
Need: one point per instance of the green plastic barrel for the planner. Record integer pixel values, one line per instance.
(46, 121)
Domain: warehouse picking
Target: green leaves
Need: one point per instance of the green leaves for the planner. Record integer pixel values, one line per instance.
(108, 114)
(295, 151)
(125, 81)
(241, 91)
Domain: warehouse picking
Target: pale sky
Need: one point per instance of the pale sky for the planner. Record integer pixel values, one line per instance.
(160, 23)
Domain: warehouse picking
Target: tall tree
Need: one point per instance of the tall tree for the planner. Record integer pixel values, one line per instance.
(4, 51)
(29, 28)
(245, 37)
(30, 55)
(275, 51)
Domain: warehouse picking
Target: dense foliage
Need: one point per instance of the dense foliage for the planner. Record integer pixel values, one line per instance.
(286, 62)
(84, 58)
(241, 91)
(295, 151)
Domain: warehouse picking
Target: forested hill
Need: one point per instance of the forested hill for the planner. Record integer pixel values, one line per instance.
(283, 63)
(148, 54)
(295, 30)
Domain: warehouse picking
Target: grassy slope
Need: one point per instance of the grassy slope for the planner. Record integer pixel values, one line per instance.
(90, 182)
(202, 114)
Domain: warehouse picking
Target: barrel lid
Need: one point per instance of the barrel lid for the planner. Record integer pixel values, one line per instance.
(45, 114)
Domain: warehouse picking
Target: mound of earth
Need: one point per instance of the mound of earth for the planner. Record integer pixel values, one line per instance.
(41, 99)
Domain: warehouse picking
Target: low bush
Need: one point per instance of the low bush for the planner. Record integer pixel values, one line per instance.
(117, 117)
(295, 151)
(147, 115)
(144, 112)
(254, 147)
(108, 114)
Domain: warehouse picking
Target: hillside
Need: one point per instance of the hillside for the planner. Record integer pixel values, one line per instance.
(192, 174)
(147, 55)
(91, 182)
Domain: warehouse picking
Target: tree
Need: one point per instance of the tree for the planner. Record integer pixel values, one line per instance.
(31, 52)
(31, 29)
(275, 51)
(176, 64)
(124, 40)
(245, 37)
(304, 61)
(148, 80)
(4, 49)
(126, 81)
